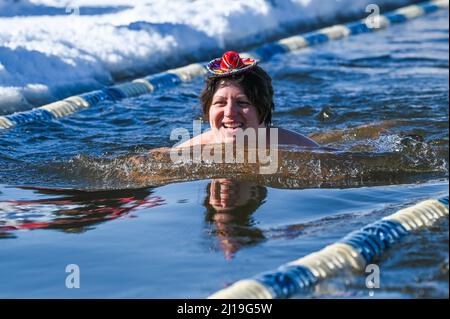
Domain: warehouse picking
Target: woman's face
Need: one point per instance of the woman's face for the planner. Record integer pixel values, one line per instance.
(231, 110)
(227, 195)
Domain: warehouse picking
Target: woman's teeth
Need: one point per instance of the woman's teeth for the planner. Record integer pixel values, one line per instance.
(232, 125)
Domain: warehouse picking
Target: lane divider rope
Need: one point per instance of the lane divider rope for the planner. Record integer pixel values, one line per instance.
(187, 73)
(354, 252)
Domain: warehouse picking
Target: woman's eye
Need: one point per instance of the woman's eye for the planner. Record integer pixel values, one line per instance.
(244, 103)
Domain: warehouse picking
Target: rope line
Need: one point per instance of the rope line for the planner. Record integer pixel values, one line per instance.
(177, 76)
(353, 252)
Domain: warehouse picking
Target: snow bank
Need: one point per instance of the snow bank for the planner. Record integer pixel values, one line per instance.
(51, 49)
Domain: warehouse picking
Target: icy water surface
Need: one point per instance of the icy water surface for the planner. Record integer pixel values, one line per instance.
(72, 191)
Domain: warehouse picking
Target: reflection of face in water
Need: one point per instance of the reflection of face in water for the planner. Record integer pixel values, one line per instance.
(72, 210)
(230, 205)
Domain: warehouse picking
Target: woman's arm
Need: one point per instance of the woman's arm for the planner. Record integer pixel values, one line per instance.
(286, 137)
(204, 138)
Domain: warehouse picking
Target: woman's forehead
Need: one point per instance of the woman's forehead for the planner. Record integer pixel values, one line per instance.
(224, 94)
(226, 83)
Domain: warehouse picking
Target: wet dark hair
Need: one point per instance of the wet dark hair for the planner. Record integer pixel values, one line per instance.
(257, 86)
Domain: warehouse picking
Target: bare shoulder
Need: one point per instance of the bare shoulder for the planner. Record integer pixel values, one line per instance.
(287, 137)
(204, 138)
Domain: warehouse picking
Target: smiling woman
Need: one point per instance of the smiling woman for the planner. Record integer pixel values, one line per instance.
(238, 99)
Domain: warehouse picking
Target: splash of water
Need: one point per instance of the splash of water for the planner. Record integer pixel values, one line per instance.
(392, 160)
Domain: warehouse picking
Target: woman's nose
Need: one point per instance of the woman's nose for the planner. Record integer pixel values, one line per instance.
(230, 109)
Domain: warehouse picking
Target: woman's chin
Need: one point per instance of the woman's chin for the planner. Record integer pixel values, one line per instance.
(229, 135)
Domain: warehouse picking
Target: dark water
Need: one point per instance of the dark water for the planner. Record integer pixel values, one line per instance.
(378, 103)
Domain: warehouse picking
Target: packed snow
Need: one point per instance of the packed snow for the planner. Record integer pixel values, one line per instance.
(51, 49)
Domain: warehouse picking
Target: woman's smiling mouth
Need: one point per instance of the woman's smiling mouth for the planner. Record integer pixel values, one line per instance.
(232, 128)
(232, 125)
